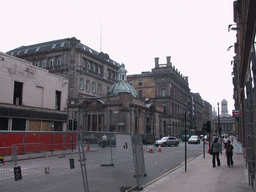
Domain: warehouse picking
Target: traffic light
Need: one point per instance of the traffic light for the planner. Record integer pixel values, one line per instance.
(75, 125)
(112, 128)
(208, 126)
(220, 130)
(70, 124)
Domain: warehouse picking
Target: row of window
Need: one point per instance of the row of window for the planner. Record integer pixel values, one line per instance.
(139, 82)
(49, 62)
(91, 66)
(89, 86)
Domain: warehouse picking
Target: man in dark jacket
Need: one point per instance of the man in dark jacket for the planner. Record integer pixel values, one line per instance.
(216, 149)
(229, 153)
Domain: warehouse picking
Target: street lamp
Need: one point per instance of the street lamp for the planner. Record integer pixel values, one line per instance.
(219, 119)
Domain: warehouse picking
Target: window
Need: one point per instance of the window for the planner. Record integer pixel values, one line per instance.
(140, 93)
(93, 87)
(17, 96)
(62, 44)
(3, 123)
(44, 63)
(140, 82)
(51, 63)
(163, 92)
(164, 106)
(18, 124)
(81, 83)
(54, 45)
(87, 85)
(94, 67)
(109, 74)
(99, 89)
(37, 63)
(99, 69)
(57, 100)
(89, 65)
(59, 61)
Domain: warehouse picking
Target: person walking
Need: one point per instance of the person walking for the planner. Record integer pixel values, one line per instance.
(216, 150)
(104, 141)
(225, 140)
(229, 154)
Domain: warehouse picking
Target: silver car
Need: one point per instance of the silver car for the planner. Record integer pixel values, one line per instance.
(171, 140)
(194, 139)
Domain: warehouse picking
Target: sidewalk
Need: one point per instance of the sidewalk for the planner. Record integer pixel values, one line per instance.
(201, 176)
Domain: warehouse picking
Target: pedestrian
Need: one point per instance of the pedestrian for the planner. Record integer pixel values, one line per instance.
(232, 138)
(104, 141)
(229, 154)
(225, 140)
(216, 150)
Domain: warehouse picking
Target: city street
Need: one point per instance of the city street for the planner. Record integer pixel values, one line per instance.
(100, 178)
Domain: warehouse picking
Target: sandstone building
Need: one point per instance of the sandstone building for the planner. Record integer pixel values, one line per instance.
(89, 72)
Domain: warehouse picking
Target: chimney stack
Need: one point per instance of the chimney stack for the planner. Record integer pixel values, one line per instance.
(156, 62)
(168, 61)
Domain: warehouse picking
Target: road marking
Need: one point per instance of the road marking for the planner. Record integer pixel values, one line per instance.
(160, 177)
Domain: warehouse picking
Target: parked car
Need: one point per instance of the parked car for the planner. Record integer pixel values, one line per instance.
(110, 141)
(90, 138)
(148, 139)
(171, 140)
(194, 139)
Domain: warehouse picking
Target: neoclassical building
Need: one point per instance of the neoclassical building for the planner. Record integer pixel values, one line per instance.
(226, 121)
(168, 88)
(89, 72)
(120, 110)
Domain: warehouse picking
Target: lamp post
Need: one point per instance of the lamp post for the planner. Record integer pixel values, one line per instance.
(219, 120)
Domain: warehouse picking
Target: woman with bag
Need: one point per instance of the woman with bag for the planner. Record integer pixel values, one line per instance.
(216, 149)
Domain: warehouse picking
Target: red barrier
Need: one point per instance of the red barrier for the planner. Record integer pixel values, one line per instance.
(29, 142)
(1, 143)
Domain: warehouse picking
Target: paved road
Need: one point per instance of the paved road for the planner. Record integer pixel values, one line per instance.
(100, 178)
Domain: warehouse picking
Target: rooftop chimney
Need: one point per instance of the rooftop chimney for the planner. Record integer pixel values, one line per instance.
(156, 62)
(168, 61)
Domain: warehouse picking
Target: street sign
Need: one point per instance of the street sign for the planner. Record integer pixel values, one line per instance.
(236, 113)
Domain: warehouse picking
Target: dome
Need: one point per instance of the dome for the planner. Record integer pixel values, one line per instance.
(224, 101)
(121, 87)
(122, 69)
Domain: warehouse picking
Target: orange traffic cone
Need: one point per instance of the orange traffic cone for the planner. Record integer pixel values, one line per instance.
(159, 148)
(151, 150)
(88, 146)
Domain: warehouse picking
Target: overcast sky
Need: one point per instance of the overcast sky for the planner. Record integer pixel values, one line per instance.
(193, 32)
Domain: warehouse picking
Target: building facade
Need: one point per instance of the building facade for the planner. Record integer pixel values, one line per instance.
(224, 121)
(31, 98)
(120, 110)
(167, 87)
(89, 72)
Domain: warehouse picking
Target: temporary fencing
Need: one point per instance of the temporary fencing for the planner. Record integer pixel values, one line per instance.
(122, 152)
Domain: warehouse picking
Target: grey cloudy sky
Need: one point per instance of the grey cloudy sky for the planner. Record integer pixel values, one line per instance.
(193, 32)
